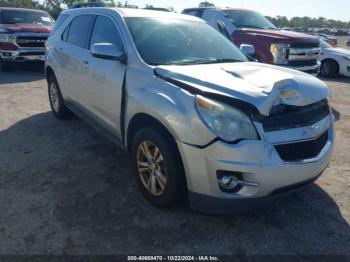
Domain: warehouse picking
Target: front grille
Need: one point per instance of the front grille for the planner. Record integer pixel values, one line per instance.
(302, 150)
(31, 41)
(31, 53)
(303, 54)
(313, 44)
(286, 117)
(302, 62)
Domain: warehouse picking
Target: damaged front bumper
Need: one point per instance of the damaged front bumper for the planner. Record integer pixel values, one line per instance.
(265, 169)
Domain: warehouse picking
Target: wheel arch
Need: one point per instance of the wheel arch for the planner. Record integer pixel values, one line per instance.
(145, 120)
(49, 72)
(142, 120)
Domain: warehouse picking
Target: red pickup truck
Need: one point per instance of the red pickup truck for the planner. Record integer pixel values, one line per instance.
(23, 34)
(272, 45)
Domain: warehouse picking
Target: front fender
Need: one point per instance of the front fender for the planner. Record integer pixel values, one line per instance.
(52, 60)
(174, 108)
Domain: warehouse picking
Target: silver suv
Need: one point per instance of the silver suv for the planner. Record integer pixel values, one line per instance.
(196, 117)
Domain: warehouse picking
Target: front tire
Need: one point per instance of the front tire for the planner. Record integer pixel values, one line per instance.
(329, 68)
(58, 107)
(158, 167)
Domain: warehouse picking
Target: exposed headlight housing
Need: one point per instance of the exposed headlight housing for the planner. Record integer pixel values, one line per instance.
(280, 53)
(226, 122)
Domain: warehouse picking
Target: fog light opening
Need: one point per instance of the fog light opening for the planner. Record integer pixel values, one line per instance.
(6, 54)
(229, 181)
(233, 182)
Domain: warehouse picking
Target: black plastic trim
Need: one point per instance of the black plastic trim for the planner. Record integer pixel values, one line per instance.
(123, 108)
(296, 116)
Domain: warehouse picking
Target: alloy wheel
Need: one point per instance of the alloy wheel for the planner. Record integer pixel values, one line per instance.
(54, 98)
(151, 168)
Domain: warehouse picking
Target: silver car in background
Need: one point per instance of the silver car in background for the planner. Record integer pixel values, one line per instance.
(196, 117)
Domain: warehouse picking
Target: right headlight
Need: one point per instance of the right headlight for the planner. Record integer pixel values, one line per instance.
(226, 122)
(279, 52)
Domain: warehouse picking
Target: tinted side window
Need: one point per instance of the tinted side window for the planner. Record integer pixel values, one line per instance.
(192, 12)
(79, 30)
(59, 22)
(105, 31)
(195, 12)
(223, 30)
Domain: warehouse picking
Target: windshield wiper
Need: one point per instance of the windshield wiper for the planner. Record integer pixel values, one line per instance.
(220, 60)
(228, 60)
(198, 62)
(211, 61)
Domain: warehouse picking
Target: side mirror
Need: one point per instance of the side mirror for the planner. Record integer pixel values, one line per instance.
(248, 50)
(107, 51)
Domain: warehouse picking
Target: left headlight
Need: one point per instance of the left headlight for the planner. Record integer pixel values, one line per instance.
(279, 53)
(226, 122)
(6, 38)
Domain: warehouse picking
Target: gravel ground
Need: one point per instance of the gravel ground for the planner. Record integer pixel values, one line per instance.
(64, 189)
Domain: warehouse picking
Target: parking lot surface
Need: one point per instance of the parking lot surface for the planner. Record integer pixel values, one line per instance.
(65, 189)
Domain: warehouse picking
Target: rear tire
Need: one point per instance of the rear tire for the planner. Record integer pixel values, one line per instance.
(160, 175)
(58, 107)
(329, 68)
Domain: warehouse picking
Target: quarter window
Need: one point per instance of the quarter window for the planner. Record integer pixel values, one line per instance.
(105, 31)
(79, 30)
(59, 22)
(65, 33)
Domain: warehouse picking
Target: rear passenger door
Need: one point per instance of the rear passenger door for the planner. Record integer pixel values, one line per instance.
(106, 77)
(75, 54)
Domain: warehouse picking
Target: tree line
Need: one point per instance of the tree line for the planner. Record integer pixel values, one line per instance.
(308, 22)
(54, 7)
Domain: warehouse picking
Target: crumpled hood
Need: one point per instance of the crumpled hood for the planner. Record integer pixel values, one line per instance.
(261, 85)
(26, 28)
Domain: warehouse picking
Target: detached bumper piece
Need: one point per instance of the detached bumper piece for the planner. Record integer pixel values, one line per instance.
(286, 117)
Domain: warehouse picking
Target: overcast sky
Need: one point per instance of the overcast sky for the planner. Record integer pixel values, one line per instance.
(332, 9)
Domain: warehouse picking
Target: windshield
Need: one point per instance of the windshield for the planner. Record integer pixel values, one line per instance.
(324, 44)
(249, 19)
(25, 17)
(161, 41)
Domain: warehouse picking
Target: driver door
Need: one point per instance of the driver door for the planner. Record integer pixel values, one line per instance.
(106, 76)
